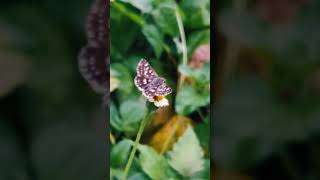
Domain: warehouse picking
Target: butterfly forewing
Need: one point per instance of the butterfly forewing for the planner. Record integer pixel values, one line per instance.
(144, 69)
(141, 82)
(97, 25)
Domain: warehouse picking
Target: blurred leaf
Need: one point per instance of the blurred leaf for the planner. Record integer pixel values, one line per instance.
(120, 153)
(197, 13)
(203, 132)
(155, 38)
(123, 74)
(204, 174)
(121, 39)
(114, 82)
(188, 100)
(161, 116)
(132, 111)
(153, 164)
(170, 132)
(201, 76)
(139, 176)
(144, 6)
(187, 146)
(196, 39)
(115, 120)
(165, 17)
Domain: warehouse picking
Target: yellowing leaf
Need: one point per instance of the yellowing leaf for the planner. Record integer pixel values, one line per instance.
(161, 116)
(113, 83)
(164, 139)
(187, 154)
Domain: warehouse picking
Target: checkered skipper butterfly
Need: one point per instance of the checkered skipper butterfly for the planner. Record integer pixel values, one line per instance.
(94, 57)
(148, 81)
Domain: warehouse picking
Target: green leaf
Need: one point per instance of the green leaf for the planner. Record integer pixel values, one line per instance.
(144, 6)
(187, 154)
(132, 111)
(115, 120)
(201, 75)
(115, 173)
(197, 13)
(121, 39)
(128, 120)
(165, 17)
(154, 164)
(204, 174)
(185, 70)
(155, 38)
(123, 74)
(139, 176)
(188, 100)
(203, 132)
(120, 152)
(196, 39)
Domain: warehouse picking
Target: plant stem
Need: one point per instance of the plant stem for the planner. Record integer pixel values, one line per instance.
(135, 145)
(183, 45)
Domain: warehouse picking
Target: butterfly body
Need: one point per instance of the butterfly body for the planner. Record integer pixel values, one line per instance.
(148, 81)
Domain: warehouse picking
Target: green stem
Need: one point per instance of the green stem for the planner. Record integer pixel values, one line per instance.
(135, 146)
(182, 36)
(183, 43)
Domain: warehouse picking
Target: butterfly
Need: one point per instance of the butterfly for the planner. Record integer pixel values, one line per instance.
(93, 59)
(148, 81)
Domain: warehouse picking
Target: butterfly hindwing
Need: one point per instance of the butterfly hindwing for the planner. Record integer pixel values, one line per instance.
(93, 65)
(149, 91)
(163, 90)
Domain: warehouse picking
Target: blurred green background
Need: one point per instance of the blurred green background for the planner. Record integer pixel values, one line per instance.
(51, 122)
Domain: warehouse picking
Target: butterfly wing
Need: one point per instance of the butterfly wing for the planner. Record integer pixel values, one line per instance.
(93, 59)
(149, 92)
(141, 82)
(144, 69)
(97, 24)
(163, 90)
(93, 65)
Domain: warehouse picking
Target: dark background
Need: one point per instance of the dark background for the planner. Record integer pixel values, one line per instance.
(51, 122)
(266, 114)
